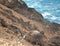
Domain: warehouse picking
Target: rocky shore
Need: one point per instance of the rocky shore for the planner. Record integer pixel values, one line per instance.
(24, 26)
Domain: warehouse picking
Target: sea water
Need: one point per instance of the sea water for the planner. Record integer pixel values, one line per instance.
(50, 9)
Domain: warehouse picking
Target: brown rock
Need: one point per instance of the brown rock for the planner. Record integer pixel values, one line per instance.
(17, 21)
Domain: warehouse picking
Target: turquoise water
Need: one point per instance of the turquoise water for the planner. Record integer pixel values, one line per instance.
(50, 9)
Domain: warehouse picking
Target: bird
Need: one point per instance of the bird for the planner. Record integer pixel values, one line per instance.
(35, 37)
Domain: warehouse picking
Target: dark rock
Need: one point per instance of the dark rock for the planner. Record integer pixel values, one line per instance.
(55, 41)
(3, 23)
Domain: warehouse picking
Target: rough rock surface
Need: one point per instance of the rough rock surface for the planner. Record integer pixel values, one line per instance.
(23, 26)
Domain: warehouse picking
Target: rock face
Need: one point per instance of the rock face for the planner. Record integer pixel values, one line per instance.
(23, 26)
